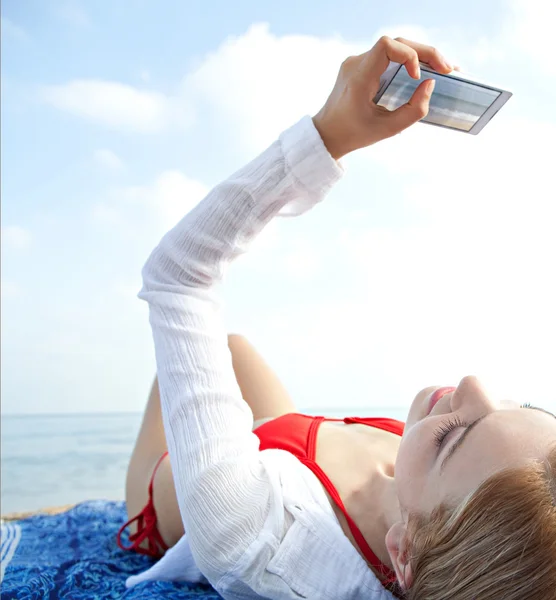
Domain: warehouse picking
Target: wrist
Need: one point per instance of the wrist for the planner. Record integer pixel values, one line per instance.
(328, 138)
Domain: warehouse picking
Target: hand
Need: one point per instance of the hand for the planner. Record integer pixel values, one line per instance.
(351, 120)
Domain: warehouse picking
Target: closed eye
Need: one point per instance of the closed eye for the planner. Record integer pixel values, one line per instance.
(471, 426)
(529, 405)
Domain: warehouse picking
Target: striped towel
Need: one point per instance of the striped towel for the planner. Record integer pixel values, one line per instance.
(10, 535)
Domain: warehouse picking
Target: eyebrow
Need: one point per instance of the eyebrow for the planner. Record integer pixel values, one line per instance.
(470, 428)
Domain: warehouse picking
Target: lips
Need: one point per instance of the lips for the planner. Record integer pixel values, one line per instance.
(436, 395)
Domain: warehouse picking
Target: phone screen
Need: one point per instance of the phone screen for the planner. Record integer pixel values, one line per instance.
(454, 103)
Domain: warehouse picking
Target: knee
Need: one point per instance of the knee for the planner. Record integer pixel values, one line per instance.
(235, 340)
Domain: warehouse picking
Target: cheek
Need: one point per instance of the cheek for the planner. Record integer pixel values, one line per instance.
(412, 471)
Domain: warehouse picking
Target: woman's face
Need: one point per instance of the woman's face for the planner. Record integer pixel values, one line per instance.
(483, 437)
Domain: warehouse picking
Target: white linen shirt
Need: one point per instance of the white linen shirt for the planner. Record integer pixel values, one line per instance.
(259, 524)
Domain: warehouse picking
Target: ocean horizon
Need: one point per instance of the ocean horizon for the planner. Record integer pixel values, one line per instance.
(54, 459)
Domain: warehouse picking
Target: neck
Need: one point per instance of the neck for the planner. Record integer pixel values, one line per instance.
(375, 508)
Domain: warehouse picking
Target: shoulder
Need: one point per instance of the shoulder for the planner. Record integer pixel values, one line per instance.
(305, 553)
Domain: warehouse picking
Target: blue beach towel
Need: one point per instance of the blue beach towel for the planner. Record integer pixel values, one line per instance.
(74, 555)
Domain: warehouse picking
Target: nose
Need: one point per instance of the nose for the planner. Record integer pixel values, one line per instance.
(470, 396)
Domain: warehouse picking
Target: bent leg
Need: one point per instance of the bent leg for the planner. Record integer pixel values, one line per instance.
(149, 447)
(260, 388)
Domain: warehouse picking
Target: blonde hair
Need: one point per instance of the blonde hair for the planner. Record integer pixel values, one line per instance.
(499, 543)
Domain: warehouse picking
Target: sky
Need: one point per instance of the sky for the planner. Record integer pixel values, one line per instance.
(431, 260)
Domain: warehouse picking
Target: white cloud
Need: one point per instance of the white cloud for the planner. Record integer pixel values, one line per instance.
(260, 83)
(303, 261)
(500, 179)
(157, 206)
(9, 30)
(115, 105)
(169, 198)
(469, 291)
(109, 159)
(15, 237)
(247, 79)
(525, 31)
(276, 250)
(421, 306)
(530, 29)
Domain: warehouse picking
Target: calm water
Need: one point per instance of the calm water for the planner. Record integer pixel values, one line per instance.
(63, 459)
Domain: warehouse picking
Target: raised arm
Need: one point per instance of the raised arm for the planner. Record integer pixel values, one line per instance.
(224, 490)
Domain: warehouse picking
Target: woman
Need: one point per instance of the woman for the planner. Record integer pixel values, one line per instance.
(461, 506)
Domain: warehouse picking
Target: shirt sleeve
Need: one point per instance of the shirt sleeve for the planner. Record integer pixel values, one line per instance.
(224, 490)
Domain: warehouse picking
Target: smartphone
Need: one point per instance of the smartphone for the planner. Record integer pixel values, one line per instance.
(459, 102)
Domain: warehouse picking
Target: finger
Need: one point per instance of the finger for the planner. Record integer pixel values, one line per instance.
(429, 55)
(416, 109)
(377, 59)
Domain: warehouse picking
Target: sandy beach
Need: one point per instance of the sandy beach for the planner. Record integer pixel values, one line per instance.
(51, 510)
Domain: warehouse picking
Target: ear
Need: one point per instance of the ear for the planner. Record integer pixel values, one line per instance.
(396, 544)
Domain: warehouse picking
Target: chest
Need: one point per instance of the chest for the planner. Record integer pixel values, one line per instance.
(351, 455)
(359, 461)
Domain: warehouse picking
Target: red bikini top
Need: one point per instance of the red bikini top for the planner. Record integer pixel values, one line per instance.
(297, 434)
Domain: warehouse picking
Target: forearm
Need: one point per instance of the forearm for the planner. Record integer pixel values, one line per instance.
(197, 251)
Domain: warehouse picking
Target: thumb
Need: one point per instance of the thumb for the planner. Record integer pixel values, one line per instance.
(416, 108)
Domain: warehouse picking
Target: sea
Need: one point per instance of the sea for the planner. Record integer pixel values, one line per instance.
(60, 459)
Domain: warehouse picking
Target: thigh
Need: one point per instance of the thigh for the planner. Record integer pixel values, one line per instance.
(169, 523)
(149, 447)
(260, 386)
(261, 389)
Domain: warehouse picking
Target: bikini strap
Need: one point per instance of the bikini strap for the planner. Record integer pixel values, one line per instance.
(146, 525)
(154, 473)
(367, 551)
(384, 423)
(311, 463)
